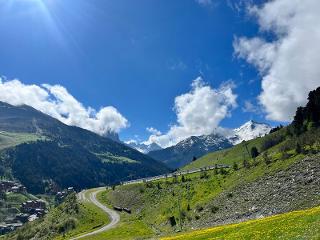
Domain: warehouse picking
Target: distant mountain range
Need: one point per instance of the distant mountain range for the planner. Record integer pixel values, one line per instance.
(197, 146)
(64, 155)
(142, 147)
(183, 153)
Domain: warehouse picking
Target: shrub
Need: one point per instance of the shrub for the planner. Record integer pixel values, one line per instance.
(266, 158)
(235, 166)
(214, 209)
(254, 152)
(246, 163)
(183, 179)
(204, 174)
(199, 208)
(172, 221)
(188, 207)
(298, 148)
(285, 155)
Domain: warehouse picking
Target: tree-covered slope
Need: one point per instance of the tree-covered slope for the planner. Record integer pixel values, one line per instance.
(65, 155)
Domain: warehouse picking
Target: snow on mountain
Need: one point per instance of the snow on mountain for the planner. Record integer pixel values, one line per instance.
(248, 131)
(142, 147)
(205, 142)
(195, 146)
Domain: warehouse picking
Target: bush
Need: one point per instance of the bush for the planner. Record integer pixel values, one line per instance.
(188, 207)
(266, 158)
(223, 171)
(298, 148)
(230, 195)
(235, 166)
(199, 208)
(246, 163)
(183, 179)
(214, 209)
(172, 221)
(254, 152)
(285, 155)
(204, 174)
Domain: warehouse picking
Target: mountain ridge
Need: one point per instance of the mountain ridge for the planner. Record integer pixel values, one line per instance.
(107, 161)
(197, 146)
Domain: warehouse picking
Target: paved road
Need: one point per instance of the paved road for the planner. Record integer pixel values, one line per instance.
(113, 215)
(178, 173)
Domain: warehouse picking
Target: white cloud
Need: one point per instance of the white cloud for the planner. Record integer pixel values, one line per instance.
(198, 112)
(249, 107)
(57, 102)
(131, 141)
(153, 131)
(289, 64)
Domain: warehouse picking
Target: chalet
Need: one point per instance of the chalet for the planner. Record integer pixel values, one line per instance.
(32, 205)
(5, 186)
(22, 217)
(9, 186)
(6, 228)
(18, 189)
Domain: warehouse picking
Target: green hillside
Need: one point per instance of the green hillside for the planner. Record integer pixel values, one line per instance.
(294, 225)
(282, 178)
(67, 220)
(10, 139)
(64, 155)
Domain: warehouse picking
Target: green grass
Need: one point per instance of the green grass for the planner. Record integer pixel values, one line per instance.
(130, 227)
(294, 225)
(89, 219)
(8, 139)
(153, 203)
(110, 158)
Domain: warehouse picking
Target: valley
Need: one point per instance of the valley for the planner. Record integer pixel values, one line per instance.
(257, 183)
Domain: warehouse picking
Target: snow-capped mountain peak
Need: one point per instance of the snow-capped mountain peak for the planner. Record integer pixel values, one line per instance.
(143, 147)
(250, 130)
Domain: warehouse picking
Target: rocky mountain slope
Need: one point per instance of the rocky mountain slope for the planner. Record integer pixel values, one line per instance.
(66, 155)
(297, 187)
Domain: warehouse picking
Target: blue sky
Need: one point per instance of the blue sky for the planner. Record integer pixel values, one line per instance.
(136, 56)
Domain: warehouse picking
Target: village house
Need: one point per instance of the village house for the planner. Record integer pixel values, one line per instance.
(10, 186)
(32, 206)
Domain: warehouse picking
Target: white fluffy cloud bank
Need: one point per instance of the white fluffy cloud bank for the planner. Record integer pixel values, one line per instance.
(289, 64)
(57, 102)
(198, 112)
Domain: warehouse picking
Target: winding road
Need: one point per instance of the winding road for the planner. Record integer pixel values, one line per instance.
(113, 215)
